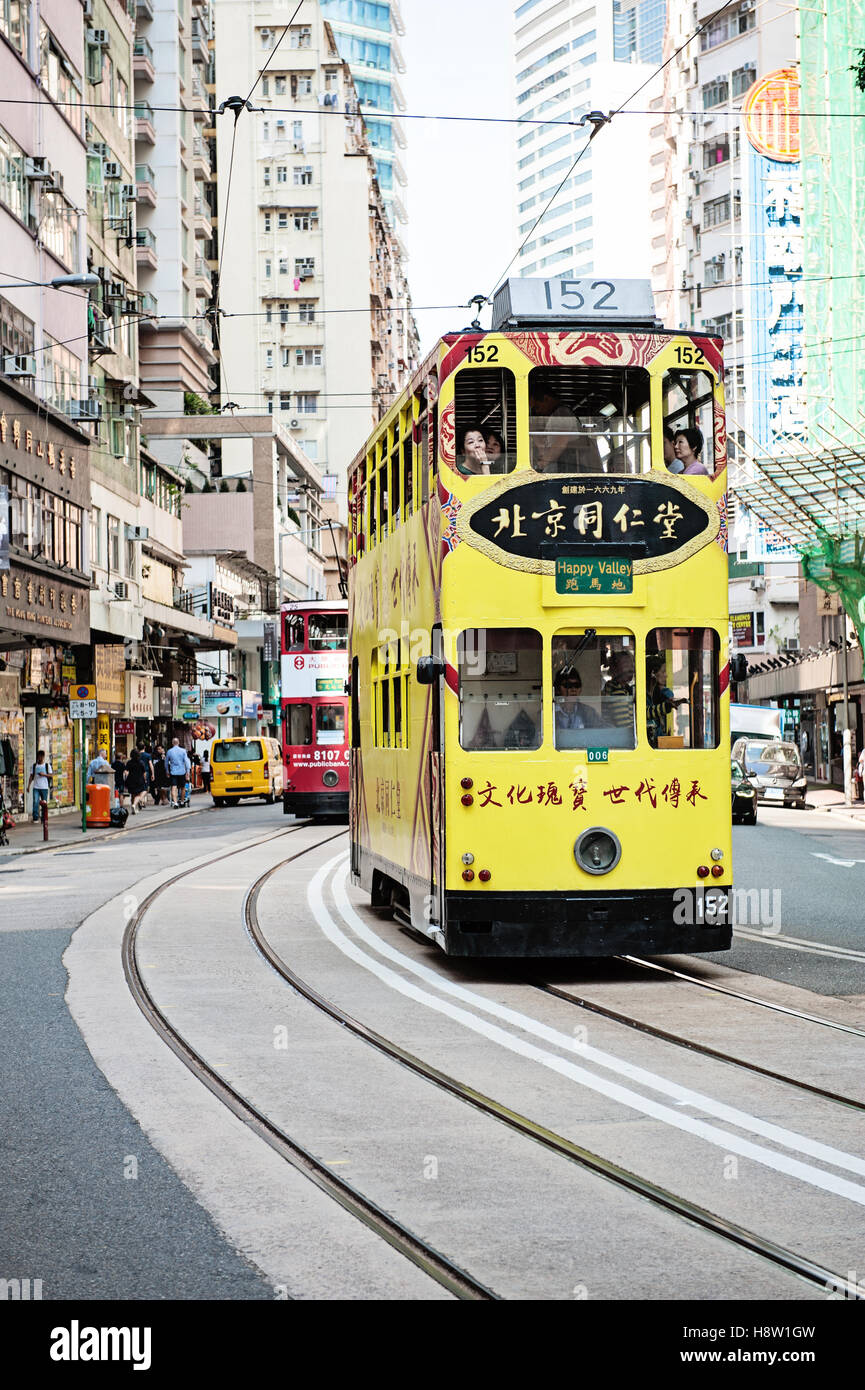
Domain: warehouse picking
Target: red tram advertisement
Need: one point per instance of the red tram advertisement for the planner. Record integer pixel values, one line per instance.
(314, 671)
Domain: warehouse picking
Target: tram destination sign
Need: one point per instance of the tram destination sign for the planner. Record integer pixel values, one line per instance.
(552, 526)
(588, 300)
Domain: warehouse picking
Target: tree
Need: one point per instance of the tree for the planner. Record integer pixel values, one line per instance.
(859, 68)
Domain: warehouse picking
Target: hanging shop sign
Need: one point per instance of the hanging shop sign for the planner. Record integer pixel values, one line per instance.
(252, 703)
(770, 114)
(222, 704)
(139, 694)
(109, 665)
(124, 726)
(41, 606)
(189, 702)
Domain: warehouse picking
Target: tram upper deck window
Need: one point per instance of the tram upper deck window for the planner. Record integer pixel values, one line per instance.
(689, 443)
(328, 632)
(485, 419)
(682, 687)
(593, 690)
(294, 632)
(500, 688)
(589, 420)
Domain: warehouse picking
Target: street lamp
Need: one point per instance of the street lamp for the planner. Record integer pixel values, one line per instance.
(60, 282)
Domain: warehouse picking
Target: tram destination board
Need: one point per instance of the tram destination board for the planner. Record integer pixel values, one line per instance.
(581, 574)
(534, 525)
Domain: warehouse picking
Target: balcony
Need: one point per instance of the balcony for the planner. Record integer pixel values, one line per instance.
(142, 60)
(143, 11)
(200, 158)
(145, 249)
(145, 130)
(145, 185)
(149, 306)
(202, 272)
(203, 228)
(200, 50)
(205, 335)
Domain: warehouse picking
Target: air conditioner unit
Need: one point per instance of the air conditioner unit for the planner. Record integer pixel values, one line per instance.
(112, 170)
(130, 306)
(85, 410)
(55, 183)
(758, 584)
(137, 533)
(128, 191)
(36, 166)
(19, 366)
(294, 423)
(93, 383)
(129, 411)
(98, 38)
(115, 289)
(120, 588)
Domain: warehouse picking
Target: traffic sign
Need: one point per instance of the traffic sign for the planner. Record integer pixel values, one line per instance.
(82, 692)
(82, 709)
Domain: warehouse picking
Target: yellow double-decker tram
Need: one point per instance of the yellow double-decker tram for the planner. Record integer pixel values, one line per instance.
(538, 635)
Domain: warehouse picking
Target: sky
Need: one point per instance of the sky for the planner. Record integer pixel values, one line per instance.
(461, 233)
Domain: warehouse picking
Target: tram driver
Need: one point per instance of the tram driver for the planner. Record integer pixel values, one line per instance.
(569, 710)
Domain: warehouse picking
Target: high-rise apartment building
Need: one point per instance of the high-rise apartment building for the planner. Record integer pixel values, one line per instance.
(638, 30)
(324, 331)
(367, 34)
(566, 65)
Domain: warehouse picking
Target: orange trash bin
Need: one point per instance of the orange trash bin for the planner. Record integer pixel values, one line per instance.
(98, 804)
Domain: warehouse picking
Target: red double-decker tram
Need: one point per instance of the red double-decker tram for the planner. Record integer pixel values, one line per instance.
(313, 676)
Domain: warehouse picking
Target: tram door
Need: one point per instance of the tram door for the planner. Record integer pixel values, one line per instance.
(436, 786)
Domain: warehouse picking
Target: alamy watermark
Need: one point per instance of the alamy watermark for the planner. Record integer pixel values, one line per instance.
(738, 907)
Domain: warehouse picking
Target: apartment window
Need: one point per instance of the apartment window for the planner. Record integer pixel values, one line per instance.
(716, 211)
(743, 78)
(307, 404)
(15, 23)
(96, 536)
(265, 130)
(282, 221)
(16, 330)
(301, 174)
(59, 78)
(285, 356)
(281, 173)
(268, 37)
(301, 85)
(307, 357)
(279, 86)
(268, 358)
(307, 311)
(721, 327)
(267, 221)
(117, 432)
(737, 205)
(729, 25)
(269, 405)
(716, 151)
(715, 93)
(283, 265)
(266, 175)
(280, 130)
(285, 400)
(304, 267)
(297, 130)
(300, 36)
(714, 271)
(737, 262)
(283, 313)
(268, 267)
(268, 314)
(114, 545)
(527, 160)
(14, 187)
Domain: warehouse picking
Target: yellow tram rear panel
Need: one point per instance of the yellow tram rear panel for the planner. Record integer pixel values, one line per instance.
(428, 815)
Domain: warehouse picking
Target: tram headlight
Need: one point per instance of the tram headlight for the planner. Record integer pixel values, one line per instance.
(330, 778)
(716, 854)
(597, 850)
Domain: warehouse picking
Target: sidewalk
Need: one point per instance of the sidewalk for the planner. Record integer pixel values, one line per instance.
(830, 799)
(65, 829)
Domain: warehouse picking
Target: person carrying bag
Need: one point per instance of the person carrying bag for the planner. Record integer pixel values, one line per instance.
(42, 781)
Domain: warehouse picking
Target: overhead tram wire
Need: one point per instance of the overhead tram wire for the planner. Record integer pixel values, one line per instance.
(598, 121)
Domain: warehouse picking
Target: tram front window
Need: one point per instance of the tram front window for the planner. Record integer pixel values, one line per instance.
(298, 724)
(485, 419)
(329, 725)
(328, 632)
(688, 407)
(294, 632)
(500, 688)
(593, 690)
(589, 420)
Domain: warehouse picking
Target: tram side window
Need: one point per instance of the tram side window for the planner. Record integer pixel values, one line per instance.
(689, 417)
(358, 510)
(383, 513)
(329, 725)
(328, 632)
(408, 474)
(298, 729)
(593, 690)
(682, 687)
(294, 632)
(485, 420)
(500, 688)
(373, 493)
(589, 420)
(421, 442)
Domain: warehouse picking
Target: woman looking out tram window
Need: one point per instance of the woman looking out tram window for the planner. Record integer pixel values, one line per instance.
(688, 445)
(472, 454)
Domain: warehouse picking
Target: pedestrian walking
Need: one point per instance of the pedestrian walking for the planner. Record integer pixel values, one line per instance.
(206, 772)
(119, 767)
(42, 781)
(136, 780)
(99, 770)
(161, 780)
(178, 765)
(860, 769)
(146, 757)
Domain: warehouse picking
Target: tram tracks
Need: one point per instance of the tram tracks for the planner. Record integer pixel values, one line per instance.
(704, 1050)
(812, 1271)
(439, 1268)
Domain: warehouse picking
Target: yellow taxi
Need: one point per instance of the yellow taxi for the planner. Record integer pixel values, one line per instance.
(245, 767)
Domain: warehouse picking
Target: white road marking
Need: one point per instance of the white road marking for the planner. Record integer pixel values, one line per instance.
(842, 863)
(798, 943)
(721, 1138)
(7, 888)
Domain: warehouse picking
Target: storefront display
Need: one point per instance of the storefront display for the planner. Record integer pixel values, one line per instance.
(56, 737)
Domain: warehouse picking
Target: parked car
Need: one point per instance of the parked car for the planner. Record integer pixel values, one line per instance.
(774, 769)
(744, 797)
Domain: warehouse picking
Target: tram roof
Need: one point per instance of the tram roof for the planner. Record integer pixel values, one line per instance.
(317, 605)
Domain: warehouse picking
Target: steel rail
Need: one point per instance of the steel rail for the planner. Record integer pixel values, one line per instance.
(807, 1269)
(702, 1048)
(437, 1266)
(746, 998)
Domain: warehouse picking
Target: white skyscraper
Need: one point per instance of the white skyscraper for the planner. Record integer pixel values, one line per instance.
(565, 65)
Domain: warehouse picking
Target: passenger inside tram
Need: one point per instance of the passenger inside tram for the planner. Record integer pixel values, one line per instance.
(605, 709)
(589, 420)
